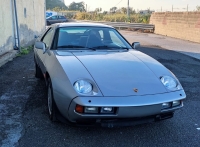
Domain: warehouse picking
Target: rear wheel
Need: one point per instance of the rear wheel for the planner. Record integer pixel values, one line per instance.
(51, 104)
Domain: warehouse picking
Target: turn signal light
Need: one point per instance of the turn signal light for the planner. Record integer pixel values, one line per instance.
(79, 108)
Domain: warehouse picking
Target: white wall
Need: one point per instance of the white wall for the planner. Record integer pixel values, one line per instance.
(6, 31)
(34, 21)
(31, 24)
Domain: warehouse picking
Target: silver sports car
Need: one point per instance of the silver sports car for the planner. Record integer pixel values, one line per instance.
(94, 76)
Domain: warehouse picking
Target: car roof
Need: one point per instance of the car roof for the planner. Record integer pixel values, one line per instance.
(80, 24)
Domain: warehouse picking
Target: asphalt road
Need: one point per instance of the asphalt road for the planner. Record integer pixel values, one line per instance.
(24, 120)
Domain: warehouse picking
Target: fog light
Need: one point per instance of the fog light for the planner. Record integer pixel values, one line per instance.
(107, 110)
(91, 110)
(176, 103)
(166, 105)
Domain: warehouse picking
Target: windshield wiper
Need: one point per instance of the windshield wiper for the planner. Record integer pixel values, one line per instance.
(92, 48)
(124, 48)
(70, 46)
(76, 47)
(107, 47)
(99, 47)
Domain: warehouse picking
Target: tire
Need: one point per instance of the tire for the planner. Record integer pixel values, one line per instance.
(52, 109)
(38, 72)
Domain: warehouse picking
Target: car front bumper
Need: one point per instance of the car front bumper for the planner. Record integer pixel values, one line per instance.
(128, 109)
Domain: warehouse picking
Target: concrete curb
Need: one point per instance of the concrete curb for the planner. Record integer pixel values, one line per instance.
(6, 57)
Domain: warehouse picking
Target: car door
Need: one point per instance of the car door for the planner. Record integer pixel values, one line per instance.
(61, 18)
(54, 19)
(47, 39)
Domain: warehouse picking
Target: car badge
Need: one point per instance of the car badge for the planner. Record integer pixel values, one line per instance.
(135, 90)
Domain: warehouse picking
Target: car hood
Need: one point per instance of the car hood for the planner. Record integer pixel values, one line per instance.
(122, 73)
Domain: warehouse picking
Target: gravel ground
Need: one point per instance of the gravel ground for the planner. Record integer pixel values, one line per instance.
(24, 120)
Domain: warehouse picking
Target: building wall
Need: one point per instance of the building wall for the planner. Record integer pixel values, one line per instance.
(31, 22)
(183, 25)
(6, 30)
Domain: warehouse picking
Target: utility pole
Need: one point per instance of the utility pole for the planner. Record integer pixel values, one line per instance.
(128, 12)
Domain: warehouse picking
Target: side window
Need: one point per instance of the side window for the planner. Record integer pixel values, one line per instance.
(62, 17)
(54, 17)
(115, 39)
(101, 34)
(47, 38)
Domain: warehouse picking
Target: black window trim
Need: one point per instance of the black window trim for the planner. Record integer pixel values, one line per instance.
(45, 33)
(50, 46)
(55, 40)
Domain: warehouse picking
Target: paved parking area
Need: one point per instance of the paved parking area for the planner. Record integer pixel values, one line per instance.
(24, 120)
(147, 39)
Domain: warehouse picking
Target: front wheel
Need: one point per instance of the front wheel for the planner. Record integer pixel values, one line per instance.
(51, 104)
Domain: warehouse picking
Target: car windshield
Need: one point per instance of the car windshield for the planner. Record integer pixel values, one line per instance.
(87, 38)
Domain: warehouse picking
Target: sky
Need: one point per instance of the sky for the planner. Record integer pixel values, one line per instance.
(157, 5)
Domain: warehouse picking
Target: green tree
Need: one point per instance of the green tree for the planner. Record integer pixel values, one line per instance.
(132, 11)
(56, 9)
(124, 10)
(98, 10)
(198, 8)
(50, 4)
(105, 12)
(113, 9)
(77, 6)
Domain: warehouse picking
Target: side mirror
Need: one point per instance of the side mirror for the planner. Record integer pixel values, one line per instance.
(136, 45)
(40, 45)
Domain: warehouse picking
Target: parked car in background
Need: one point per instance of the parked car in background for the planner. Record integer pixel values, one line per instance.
(56, 19)
(51, 13)
(94, 76)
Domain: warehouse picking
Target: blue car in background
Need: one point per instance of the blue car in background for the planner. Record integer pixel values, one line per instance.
(55, 19)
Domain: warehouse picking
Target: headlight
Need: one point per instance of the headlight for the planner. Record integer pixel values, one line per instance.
(169, 82)
(83, 87)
